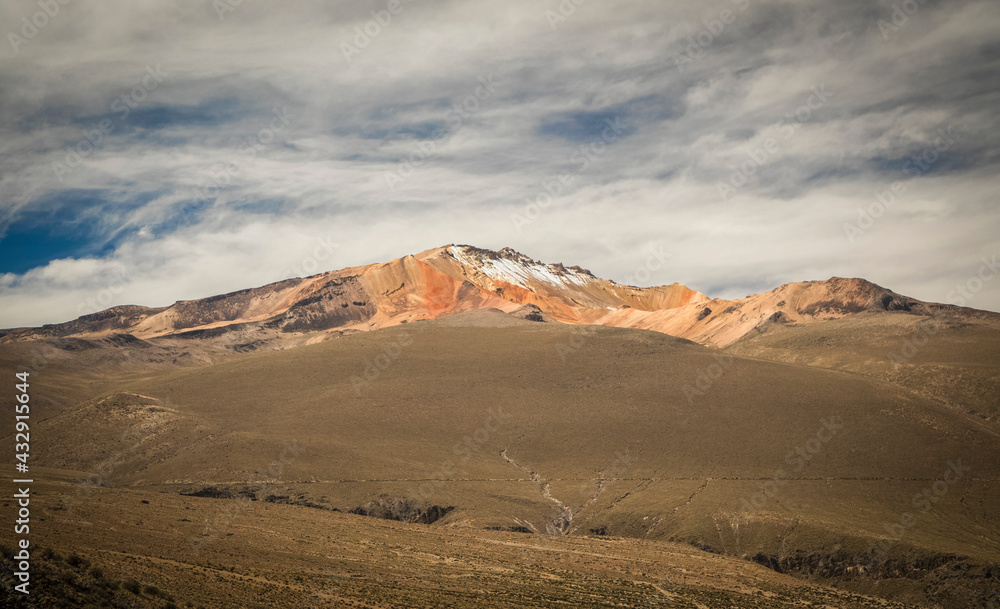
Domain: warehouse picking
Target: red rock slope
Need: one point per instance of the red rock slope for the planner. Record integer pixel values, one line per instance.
(453, 279)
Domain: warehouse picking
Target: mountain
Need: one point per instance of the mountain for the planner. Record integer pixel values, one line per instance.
(850, 325)
(566, 431)
(452, 279)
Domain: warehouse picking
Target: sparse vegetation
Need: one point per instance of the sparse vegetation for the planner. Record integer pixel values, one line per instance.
(77, 561)
(56, 583)
(418, 440)
(132, 586)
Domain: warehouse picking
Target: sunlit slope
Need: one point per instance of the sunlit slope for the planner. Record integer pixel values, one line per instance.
(955, 361)
(646, 434)
(455, 279)
(427, 285)
(569, 294)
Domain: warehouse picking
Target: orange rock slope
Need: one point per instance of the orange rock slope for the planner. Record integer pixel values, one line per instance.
(457, 278)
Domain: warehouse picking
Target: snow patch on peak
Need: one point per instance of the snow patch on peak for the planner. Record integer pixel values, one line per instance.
(515, 268)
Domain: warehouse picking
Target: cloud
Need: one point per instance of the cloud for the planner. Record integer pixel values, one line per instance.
(263, 138)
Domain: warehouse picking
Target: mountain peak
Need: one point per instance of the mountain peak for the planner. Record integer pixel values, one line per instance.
(514, 268)
(457, 278)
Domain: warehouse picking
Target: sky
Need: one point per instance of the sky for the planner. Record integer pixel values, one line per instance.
(160, 151)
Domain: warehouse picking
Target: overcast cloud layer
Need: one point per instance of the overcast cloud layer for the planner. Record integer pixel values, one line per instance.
(156, 151)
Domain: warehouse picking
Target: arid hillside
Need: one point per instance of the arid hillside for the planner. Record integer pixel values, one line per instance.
(452, 279)
(493, 422)
(831, 430)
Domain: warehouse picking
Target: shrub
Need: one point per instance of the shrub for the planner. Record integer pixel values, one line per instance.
(132, 586)
(75, 560)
